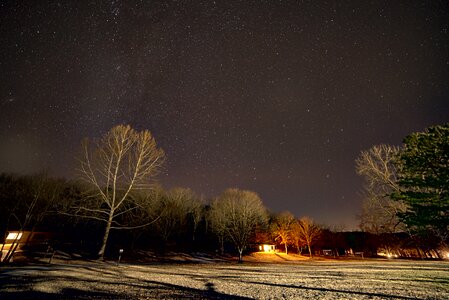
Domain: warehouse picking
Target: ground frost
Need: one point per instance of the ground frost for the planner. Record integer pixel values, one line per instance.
(369, 279)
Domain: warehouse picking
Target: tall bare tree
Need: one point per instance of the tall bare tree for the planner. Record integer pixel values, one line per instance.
(282, 229)
(379, 168)
(308, 232)
(122, 161)
(239, 213)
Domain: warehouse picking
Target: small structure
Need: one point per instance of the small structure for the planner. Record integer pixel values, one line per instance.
(328, 252)
(16, 240)
(267, 248)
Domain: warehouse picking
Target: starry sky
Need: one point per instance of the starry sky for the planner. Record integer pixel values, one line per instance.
(278, 97)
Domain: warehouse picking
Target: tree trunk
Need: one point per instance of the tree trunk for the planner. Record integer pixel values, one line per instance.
(9, 256)
(105, 237)
(440, 257)
(14, 245)
(286, 249)
(135, 237)
(419, 252)
(310, 250)
(194, 232)
(4, 241)
(240, 255)
(221, 238)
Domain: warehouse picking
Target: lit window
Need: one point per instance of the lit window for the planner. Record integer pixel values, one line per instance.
(267, 248)
(14, 236)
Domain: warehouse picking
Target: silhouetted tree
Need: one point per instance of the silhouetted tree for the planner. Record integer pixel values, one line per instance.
(147, 211)
(174, 209)
(196, 209)
(332, 239)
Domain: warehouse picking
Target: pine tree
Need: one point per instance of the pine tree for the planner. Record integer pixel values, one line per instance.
(424, 181)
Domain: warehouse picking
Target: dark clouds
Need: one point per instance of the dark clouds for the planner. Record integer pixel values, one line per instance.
(274, 96)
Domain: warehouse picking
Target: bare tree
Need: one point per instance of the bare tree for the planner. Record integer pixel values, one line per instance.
(238, 213)
(122, 161)
(295, 237)
(174, 209)
(148, 203)
(196, 212)
(281, 228)
(217, 221)
(308, 232)
(379, 168)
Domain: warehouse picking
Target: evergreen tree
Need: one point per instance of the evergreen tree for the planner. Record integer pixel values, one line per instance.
(424, 181)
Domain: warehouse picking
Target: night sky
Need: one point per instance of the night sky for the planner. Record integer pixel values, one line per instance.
(278, 97)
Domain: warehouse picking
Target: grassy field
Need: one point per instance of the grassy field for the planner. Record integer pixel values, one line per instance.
(296, 279)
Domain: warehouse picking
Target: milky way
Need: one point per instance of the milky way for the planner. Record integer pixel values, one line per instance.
(278, 97)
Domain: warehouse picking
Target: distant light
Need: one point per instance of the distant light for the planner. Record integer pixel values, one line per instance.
(266, 248)
(14, 236)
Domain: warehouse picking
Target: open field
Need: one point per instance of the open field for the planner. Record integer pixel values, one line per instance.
(364, 279)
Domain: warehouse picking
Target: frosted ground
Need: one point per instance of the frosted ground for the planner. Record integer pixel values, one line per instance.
(364, 279)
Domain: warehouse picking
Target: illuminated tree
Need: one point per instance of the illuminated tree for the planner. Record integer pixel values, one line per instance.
(378, 166)
(282, 229)
(308, 232)
(237, 213)
(122, 161)
(296, 237)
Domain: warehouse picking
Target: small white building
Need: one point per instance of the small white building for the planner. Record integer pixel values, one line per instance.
(267, 248)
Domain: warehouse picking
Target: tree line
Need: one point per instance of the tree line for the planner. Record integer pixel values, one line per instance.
(116, 203)
(156, 219)
(116, 191)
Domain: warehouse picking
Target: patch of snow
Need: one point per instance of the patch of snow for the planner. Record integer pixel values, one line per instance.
(299, 279)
